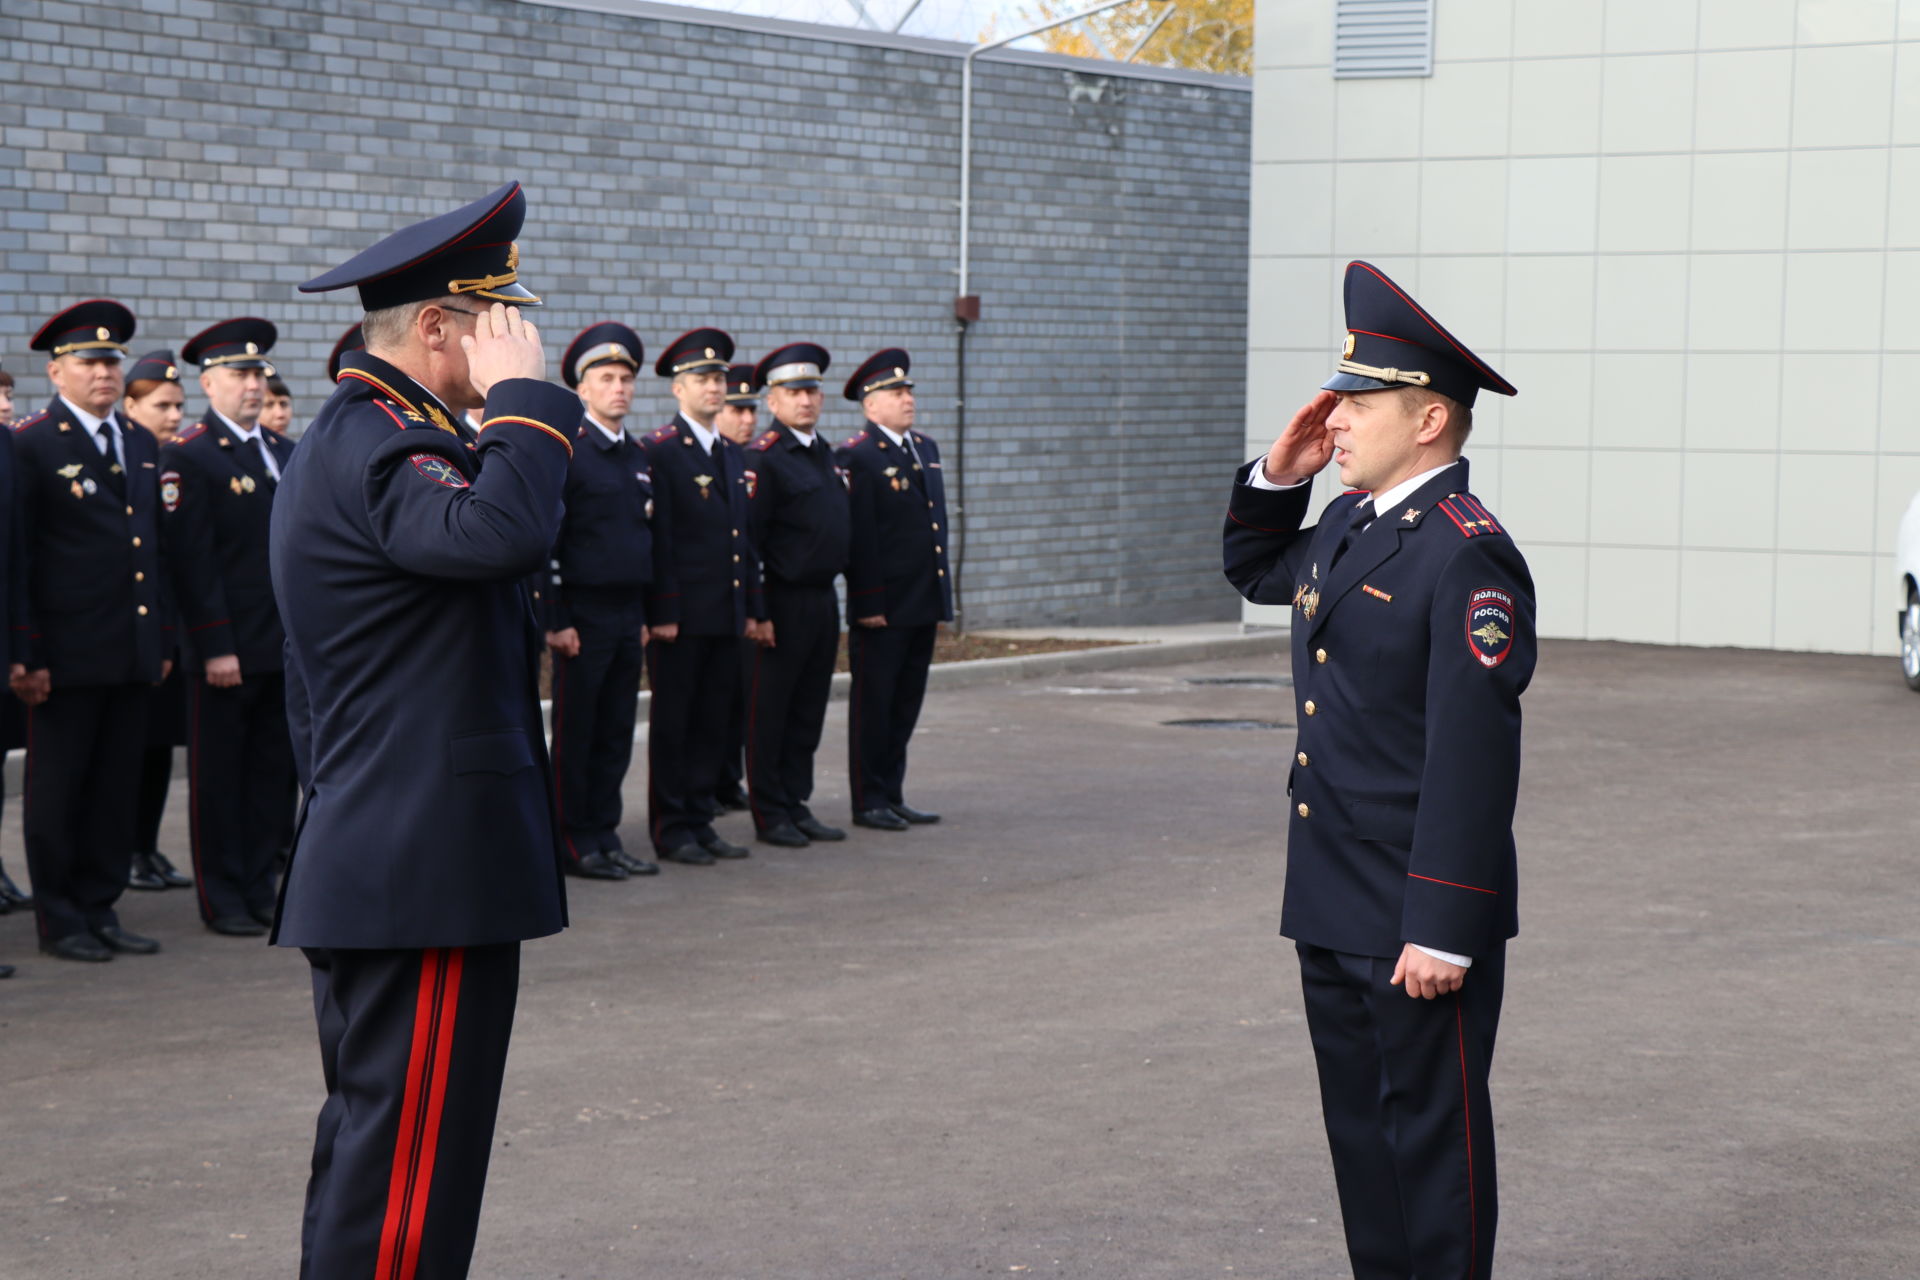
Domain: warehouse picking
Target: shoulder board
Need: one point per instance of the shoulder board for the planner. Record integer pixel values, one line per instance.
(667, 432)
(31, 419)
(767, 441)
(854, 440)
(189, 434)
(1471, 518)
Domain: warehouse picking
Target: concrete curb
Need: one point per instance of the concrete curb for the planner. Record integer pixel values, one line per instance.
(1039, 666)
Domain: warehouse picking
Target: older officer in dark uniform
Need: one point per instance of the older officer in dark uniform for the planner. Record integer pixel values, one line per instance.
(596, 609)
(1413, 638)
(427, 850)
(95, 634)
(217, 483)
(800, 522)
(703, 594)
(897, 588)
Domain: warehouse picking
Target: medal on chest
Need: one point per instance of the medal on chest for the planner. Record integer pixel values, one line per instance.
(706, 486)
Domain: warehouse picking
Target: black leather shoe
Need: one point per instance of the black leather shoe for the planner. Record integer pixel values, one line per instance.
(880, 820)
(814, 829)
(631, 865)
(736, 802)
(169, 876)
(114, 938)
(11, 891)
(784, 834)
(141, 875)
(78, 946)
(237, 926)
(596, 866)
(918, 817)
(723, 849)
(6, 971)
(264, 915)
(691, 854)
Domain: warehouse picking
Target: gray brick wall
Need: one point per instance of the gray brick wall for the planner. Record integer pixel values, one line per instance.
(199, 158)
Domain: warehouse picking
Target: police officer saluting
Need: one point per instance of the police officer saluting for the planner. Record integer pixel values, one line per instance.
(596, 609)
(703, 580)
(800, 526)
(427, 849)
(897, 588)
(95, 631)
(217, 484)
(1413, 639)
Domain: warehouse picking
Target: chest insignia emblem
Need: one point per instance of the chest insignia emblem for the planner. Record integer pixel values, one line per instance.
(440, 419)
(752, 480)
(1316, 573)
(706, 486)
(1412, 515)
(1306, 599)
(1376, 592)
(77, 489)
(69, 471)
(170, 490)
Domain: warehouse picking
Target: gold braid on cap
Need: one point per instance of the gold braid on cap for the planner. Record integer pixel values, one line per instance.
(1412, 377)
(481, 286)
(68, 348)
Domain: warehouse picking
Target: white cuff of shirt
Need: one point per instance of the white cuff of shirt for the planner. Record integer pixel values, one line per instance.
(1258, 476)
(1465, 962)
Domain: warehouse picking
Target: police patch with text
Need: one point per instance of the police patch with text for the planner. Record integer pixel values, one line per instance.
(438, 469)
(1490, 625)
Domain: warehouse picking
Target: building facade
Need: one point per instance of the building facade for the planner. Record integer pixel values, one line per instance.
(199, 158)
(1689, 232)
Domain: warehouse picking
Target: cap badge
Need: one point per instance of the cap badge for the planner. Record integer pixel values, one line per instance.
(513, 257)
(253, 349)
(102, 333)
(709, 353)
(1346, 352)
(173, 374)
(899, 373)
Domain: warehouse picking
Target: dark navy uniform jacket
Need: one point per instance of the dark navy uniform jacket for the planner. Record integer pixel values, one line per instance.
(400, 550)
(705, 578)
(604, 555)
(897, 558)
(218, 500)
(96, 608)
(1408, 663)
(798, 509)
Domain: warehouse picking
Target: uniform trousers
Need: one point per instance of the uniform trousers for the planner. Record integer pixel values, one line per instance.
(84, 745)
(413, 1047)
(240, 792)
(1403, 1087)
(788, 688)
(166, 729)
(594, 707)
(693, 679)
(889, 672)
(733, 763)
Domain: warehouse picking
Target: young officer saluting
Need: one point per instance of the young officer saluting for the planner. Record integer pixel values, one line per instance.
(427, 850)
(596, 609)
(1412, 641)
(217, 483)
(897, 588)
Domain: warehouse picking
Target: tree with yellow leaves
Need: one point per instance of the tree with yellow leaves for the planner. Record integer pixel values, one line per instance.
(1206, 35)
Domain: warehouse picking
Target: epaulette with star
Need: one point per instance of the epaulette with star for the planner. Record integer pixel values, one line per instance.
(667, 432)
(1468, 515)
(853, 440)
(31, 419)
(189, 434)
(767, 441)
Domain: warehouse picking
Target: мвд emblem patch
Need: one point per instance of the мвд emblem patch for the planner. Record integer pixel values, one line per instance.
(1490, 625)
(439, 470)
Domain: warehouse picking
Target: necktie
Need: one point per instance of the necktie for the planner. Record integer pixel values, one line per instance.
(107, 442)
(266, 459)
(1362, 517)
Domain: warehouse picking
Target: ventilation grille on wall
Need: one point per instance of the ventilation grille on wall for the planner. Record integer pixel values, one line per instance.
(1378, 38)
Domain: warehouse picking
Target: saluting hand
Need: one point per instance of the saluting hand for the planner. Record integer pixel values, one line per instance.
(502, 346)
(1306, 446)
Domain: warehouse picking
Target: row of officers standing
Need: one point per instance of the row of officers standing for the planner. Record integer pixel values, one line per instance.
(704, 552)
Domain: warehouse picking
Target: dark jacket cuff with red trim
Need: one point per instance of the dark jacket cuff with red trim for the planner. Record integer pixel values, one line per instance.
(1267, 510)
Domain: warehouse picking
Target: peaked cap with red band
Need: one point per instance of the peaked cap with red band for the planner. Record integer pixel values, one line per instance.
(1393, 342)
(352, 340)
(97, 329)
(470, 251)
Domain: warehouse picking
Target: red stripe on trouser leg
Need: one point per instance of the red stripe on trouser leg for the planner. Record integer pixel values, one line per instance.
(1466, 1112)
(422, 1102)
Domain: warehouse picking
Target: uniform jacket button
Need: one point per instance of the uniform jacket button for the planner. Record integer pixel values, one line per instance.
(1309, 707)
(1319, 655)
(143, 611)
(1301, 759)
(1304, 811)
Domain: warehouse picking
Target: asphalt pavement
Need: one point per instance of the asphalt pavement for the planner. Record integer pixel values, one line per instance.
(1057, 1035)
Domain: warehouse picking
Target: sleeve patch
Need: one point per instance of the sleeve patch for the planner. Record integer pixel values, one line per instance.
(752, 480)
(1490, 626)
(170, 490)
(438, 469)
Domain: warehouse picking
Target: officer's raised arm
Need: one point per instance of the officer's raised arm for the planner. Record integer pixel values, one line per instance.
(1269, 505)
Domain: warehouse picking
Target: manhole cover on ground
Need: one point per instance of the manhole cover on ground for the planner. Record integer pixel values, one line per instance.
(1226, 724)
(1264, 682)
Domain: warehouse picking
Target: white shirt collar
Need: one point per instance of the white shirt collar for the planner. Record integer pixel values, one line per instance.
(87, 420)
(703, 436)
(899, 440)
(804, 437)
(611, 433)
(1385, 502)
(245, 433)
